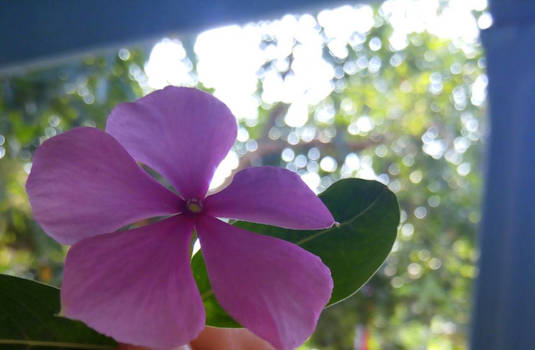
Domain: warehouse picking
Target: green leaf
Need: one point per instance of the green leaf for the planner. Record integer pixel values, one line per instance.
(368, 216)
(28, 320)
(215, 315)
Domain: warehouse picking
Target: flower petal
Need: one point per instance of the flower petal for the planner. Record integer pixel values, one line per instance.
(83, 183)
(182, 133)
(273, 196)
(136, 286)
(272, 287)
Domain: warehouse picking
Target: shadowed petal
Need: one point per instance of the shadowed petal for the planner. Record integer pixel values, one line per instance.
(272, 287)
(136, 286)
(134, 347)
(272, 196)
(84, 183)
(182, 133)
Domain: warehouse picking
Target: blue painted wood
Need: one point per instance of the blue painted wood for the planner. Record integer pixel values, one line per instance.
(512, 12)
(37, 29)
(504, 314)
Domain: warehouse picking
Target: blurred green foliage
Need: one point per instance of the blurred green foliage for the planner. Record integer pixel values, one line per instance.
(411, 117)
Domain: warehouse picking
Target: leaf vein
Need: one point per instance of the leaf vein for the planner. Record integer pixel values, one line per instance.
(321, 233)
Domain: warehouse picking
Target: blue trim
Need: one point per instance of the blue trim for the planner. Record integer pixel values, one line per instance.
(41, 29)
(504, 314)
(512, 12)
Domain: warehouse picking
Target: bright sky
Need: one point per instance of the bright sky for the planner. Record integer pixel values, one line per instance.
(229, 59)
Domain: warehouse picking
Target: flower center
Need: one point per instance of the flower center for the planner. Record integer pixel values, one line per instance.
(194, 205)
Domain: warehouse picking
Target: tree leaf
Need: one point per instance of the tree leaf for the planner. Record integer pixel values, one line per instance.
(367, 213)
(215, 315)
(28, 320)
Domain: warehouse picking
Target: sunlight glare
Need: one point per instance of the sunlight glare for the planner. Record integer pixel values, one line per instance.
(169, 65)
(232, 60)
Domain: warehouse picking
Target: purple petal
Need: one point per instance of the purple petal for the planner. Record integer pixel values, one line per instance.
(272, 196)
(136, 286)
(182, 133)
(84, 183)
(272, 287)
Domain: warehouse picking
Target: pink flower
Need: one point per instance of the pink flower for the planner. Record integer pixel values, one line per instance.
(136, 285)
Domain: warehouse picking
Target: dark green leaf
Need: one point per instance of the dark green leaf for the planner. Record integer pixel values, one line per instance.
(368, 216)
(28, 320)
(215, 315)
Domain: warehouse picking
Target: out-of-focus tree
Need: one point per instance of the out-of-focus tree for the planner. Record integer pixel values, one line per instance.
(36, 106)
(404, 109)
